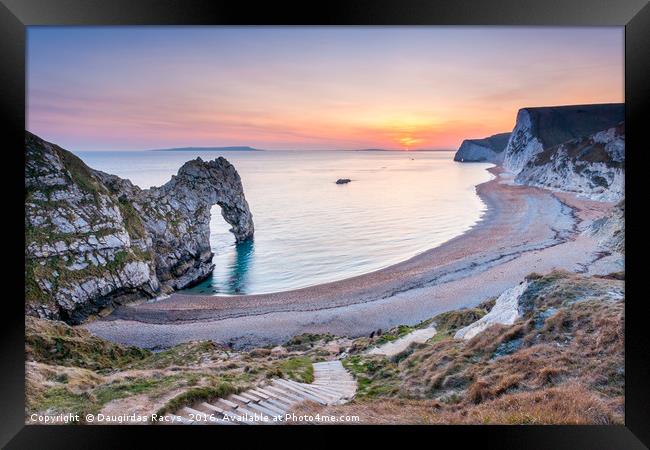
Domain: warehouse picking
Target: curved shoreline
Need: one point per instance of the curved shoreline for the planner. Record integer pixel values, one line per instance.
(517, 234)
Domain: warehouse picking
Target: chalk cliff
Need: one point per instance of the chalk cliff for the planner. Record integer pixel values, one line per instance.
(94, 240)
(537, 129)
(610, 230)
(592, 166)
(489, 149)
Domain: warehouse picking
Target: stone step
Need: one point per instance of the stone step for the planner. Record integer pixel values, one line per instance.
(333, 380)
(252, 413)
(340, 371)
(280, 410)
(333, 394)
(315, 390)
(333, 384)
(274, 409)
(281, 406)
(231, 415)
(259, 393)
(264, 410)
(237, 413)
(302, 387)
(337, 388)
(250, 396)
(329, 380)
(213, 408)
(326, 389)
(329, 376)
(229, 403)
(328, 396)
(286, 393)
(240, 398)
(277, 397)
(303, 393)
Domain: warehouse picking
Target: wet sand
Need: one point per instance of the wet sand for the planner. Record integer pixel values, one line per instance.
(524, 230)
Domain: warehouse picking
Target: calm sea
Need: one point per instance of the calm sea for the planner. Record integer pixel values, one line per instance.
(309, 230)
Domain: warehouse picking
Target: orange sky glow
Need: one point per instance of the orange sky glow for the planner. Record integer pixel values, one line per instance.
(410, 88)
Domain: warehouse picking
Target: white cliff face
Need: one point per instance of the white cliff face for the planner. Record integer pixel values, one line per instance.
(523, 143)
(489, 149)
(592, 166)
(78, 246)
(94, 240)
(610, 230)
(538, 129)
(505, 311)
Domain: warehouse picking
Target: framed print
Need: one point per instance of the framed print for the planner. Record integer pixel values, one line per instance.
(383, 218)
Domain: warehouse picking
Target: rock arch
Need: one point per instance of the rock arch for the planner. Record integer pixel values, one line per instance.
(95, 240)
(177, 214)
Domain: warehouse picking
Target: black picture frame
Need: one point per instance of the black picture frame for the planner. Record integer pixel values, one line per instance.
(16, 15)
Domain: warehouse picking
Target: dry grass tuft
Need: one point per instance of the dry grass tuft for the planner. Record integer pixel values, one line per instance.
(566, 405)
(562, 362)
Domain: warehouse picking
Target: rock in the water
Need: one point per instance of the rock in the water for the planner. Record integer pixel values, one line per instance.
(592, 166)
(538, 129)
(94, 240)
(343, 181)
(489, 149)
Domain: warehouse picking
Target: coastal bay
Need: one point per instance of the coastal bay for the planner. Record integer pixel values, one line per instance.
(234, 226)
(525, 229)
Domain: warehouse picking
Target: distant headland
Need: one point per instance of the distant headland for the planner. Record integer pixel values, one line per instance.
(208, 149)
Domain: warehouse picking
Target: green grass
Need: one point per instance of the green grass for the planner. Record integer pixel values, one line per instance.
(132, 221)
(197, 394)
(134, 386)
(80, 173)
(34, 295)
(394, 334)
(57, 343)
(449, 322)
(299, 369)
(376, 376)
(306, 341)
(60, 400)
(187, 354)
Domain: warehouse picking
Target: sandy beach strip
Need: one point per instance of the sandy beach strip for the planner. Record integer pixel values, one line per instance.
(524, 230)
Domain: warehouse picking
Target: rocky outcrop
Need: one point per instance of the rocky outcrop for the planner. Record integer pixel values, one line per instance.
(592, 166)
(539, 297)
(610, 230)
(538, 129)
(489, 149)
(177, 216)
(94, 240)
(505, 312)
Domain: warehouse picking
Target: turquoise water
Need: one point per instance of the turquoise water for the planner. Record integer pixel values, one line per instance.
(309, 230)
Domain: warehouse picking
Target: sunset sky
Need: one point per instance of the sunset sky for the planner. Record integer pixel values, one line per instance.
(134, 88)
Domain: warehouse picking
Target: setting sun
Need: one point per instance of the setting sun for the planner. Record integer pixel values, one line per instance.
(409, 141)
